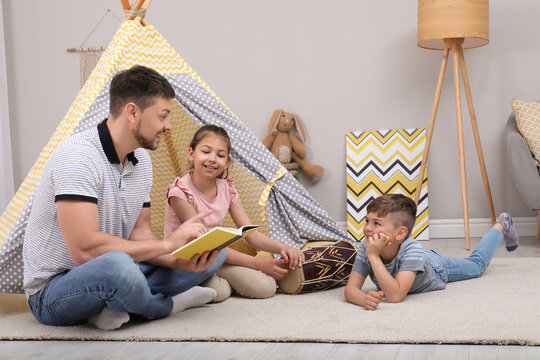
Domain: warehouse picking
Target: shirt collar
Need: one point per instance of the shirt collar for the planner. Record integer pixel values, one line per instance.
(108, 145)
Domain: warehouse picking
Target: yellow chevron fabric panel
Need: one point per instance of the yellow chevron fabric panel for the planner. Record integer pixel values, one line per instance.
(382, 162)
(169, 161)
(147, 47)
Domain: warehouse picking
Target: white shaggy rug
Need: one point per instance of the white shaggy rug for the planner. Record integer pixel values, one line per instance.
(501, 307)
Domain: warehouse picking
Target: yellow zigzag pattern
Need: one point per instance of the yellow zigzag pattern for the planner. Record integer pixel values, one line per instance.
(396, 138)
(397, 182)
(408, 148)
(169, 161)
(392, 147)
(383, 136)
(357, 161)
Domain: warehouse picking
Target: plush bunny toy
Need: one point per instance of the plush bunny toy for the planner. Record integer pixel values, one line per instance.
(287, 147)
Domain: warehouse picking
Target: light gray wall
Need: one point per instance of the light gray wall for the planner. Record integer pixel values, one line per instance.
(341, 65)
(6, 182)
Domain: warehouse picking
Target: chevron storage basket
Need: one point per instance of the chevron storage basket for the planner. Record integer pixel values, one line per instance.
(382, 162)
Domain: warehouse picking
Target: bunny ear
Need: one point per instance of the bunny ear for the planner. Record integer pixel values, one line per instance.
(274, 120)
(299, 128)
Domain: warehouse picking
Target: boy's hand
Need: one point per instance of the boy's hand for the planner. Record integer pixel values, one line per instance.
(372, 300)
(376, 244)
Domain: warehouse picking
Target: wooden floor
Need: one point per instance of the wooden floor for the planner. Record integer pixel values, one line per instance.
(257, 351)
(529, 247)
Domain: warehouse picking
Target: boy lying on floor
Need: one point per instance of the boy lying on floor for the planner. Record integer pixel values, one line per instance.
(398, 265)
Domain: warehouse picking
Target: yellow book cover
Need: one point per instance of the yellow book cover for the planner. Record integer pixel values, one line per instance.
(216, 239)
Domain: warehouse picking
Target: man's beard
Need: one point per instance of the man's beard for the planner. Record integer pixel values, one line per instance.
(143, 142)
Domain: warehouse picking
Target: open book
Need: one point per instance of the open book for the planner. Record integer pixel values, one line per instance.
(216, 239)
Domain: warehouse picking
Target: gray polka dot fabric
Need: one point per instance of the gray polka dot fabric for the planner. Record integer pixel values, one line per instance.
(294, 216)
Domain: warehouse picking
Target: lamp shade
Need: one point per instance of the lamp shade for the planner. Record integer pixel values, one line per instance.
(444, 19)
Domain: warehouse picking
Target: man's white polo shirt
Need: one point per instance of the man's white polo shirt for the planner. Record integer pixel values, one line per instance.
(84, 167)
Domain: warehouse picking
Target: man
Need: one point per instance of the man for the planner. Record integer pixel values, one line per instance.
(89, 251)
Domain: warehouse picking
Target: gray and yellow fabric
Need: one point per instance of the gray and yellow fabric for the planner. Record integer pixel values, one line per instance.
(271, 196)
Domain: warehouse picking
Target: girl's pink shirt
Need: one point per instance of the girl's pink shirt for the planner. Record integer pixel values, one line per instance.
(184, 188)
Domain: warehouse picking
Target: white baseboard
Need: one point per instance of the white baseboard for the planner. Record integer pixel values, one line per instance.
(453, 228)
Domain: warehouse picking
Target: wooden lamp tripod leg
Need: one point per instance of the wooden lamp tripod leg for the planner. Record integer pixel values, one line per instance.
(456, 45)
(438, 91)
(476, 133)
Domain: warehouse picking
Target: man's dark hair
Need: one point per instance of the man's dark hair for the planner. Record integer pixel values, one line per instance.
(140, 85)
(402, 209)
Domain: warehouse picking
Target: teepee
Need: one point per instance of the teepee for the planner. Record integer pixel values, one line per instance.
(271, 196)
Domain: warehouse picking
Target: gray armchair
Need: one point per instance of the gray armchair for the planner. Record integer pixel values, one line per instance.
(524, 172)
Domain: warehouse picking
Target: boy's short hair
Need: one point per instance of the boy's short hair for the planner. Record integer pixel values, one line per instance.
(401, 208)
(140, 85)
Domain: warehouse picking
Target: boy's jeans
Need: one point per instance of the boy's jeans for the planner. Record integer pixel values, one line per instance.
(114, 280)
(453, 269)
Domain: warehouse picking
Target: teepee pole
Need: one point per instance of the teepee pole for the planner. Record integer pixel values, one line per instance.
(145, 6)
(126, 5)
(135, 6)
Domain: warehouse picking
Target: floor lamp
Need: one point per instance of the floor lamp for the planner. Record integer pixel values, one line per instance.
(454, 25)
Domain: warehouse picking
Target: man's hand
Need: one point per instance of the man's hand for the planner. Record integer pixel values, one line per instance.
(372, 300)
(376, 244)
(271, 266)
(197, 262)
(293, 256)
(189, 230)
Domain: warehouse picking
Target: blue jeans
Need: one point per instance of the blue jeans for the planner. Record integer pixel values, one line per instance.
(116, 281)
(453, 269)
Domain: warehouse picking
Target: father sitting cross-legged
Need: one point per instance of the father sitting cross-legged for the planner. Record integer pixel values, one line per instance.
(89, 251)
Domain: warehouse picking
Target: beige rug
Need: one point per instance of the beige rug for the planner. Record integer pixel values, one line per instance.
(501, 307)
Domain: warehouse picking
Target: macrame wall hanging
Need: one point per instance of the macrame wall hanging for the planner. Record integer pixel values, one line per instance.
(89, 56)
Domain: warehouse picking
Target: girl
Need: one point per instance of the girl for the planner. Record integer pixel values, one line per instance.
(205, 188)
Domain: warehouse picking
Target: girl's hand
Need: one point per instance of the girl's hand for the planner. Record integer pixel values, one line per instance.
(293, 256)
(271, 267)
